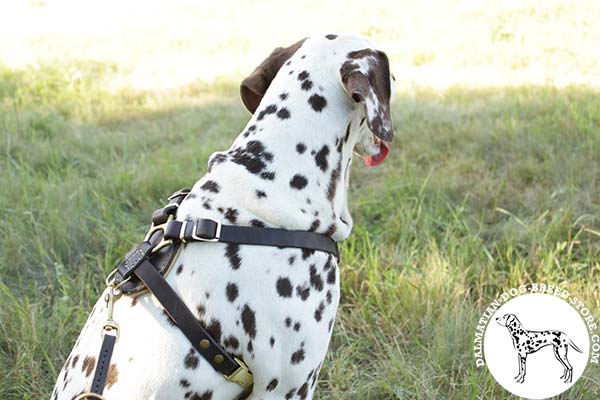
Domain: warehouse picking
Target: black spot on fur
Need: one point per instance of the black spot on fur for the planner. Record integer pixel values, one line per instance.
(253, 156)
(297, 356)
(231, 341)
(214, 328)
(231, 215)
(347, 133)
(331, 36)
(184, 383)
(321, 158)
(307, 253)
(303, 75)
(201, 310)
(283, 96)
(272, 385)
(283, 113)
(298, 182)
(232, 253)
(217, 158)
(300, 148)
(303, 391)
(249, 321)
(191, 360)
(272, 341)
(291, 260)
(303, 292)
(317, 102)
(331, 276)
(211, 186)
(307, 85)
(270, 109)
(315, 279)
(319, 312)
(290, 394)
(315, 225)
(331, 230)
(333, 181)
(284, 287)
(329, 297)
(288, 322)
(232, 292)
(260, 193)
(179, 269)
(204, 396)
(268, 176)
(256, 223)
(297, 326)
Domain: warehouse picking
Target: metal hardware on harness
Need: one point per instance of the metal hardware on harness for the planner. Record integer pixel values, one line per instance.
(110, 324)
(242, 376)
(215, 238)
(163, 242)
(85, 396)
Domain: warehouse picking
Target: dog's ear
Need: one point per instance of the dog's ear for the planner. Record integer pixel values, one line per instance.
(366, 77)
(254, 87)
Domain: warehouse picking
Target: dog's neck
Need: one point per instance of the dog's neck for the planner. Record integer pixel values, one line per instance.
(289, 167)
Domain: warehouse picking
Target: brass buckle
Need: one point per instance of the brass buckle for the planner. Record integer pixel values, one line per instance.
(242, 376)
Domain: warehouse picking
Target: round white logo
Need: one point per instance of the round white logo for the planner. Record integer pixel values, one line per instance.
(536, 345)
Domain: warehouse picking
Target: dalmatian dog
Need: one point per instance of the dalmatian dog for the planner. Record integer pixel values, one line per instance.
(528, 342)
(314, 104)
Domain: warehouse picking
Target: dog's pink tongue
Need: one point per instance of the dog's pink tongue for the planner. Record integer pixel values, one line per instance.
(373, 161)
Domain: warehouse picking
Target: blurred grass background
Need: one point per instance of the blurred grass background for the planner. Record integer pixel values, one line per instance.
(493, 179)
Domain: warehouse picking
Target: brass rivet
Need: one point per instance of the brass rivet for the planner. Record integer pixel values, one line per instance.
(219, 359)
(204, 343)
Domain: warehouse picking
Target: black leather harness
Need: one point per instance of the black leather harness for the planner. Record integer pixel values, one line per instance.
(145, 267)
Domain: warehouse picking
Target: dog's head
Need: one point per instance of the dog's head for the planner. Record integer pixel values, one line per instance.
(361, 77)
(508, 320)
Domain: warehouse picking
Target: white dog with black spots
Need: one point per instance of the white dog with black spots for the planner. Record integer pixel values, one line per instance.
(315, 104)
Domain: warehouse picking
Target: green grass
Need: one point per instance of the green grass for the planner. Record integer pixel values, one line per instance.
(484, 189)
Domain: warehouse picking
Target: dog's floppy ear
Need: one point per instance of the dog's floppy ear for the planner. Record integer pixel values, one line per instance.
(366, 77)
(254, 87)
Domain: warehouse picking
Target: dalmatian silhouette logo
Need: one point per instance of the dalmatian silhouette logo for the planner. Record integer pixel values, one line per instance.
(536, 345)
(528, 342)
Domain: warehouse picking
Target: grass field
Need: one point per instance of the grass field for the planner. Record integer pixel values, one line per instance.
(493, 181)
